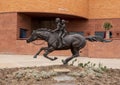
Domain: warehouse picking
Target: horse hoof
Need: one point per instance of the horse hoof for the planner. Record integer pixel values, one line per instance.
(35, 57)
(64, 62)
(55, 58)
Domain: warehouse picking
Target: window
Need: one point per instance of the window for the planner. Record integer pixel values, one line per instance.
(110, 34)
(23, 33)
(81, 33)
(102, 34)
(43, 23)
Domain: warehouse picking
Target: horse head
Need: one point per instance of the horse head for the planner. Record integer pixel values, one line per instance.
(33, 37)
(42, 33)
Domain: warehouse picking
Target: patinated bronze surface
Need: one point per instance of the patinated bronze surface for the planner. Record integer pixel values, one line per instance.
(60, 39)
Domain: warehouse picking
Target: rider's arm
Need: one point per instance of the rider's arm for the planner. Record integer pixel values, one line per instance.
(58, 28)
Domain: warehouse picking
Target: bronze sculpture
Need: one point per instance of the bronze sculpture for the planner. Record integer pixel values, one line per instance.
(55, 41)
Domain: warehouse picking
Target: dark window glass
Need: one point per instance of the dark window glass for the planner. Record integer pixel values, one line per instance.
(43, 23)
(23, 33)
(110, 34)
(102, 34)
(81, 33)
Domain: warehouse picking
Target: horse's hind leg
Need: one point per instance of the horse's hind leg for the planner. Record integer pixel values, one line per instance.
(75, 53)
(49, 50)
(43, 48)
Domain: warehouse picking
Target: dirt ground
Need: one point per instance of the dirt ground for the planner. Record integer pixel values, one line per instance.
(24, 76)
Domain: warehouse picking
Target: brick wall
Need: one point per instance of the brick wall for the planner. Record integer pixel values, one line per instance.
(104, 50)
(104, 9)
(92, 9)
(72, 7)
(8, 24)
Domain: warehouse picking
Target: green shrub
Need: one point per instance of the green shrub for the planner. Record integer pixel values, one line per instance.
(107, 26)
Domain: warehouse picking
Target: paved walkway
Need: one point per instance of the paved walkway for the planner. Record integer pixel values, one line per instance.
(11, 61)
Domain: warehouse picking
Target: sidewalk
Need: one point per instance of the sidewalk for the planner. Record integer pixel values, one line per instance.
(11, 61)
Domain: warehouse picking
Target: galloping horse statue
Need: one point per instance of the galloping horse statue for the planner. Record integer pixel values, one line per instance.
(75, 42)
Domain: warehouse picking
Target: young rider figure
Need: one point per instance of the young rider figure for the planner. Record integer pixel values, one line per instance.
(58, 22)
(61, 28)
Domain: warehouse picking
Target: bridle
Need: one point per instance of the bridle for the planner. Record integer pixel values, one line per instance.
(37, 43)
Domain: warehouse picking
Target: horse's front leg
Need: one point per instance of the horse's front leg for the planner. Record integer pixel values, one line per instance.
(49, 50)
(43, 48)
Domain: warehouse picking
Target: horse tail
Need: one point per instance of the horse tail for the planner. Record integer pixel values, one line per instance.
(96, 38)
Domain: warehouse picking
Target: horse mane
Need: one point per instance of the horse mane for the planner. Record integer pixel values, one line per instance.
(44, 29)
